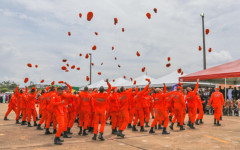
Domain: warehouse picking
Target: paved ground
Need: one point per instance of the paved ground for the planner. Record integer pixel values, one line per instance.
(206, 136)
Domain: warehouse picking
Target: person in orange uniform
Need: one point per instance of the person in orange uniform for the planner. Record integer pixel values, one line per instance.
(67, 97)
(179, 107)
(21, 105)
(161, 112)
(200, 110)
(85, 109)
(146, 104)
(91, 119)
(114, 109)
(100, 103)
(58, 109)
(139, 114)
(74, 105)
(11, 106)
(31, 100)
(43, 103)
(192, 105)
(50, 111)
(132, 107)
(217, 102)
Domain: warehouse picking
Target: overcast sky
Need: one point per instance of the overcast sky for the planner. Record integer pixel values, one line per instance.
(37, 32)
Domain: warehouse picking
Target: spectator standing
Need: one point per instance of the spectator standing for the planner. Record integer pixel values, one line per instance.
(230, 93)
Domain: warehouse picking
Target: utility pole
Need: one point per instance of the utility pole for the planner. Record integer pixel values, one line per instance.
(90, 68)
(204, 47)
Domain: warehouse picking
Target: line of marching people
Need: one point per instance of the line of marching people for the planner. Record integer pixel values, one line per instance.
(126, 108)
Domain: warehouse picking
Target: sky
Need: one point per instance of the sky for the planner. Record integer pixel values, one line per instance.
(36, 32)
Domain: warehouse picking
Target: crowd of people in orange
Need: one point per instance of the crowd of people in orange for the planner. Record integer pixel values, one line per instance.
(126, 108)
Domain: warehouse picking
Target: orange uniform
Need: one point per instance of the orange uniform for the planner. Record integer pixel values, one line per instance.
(21, 104)
(58, 109)
(31, 100)
(85, 108)
(100, 103)
(11, 105)
(139, 114)
(200, 108)
(114, 107)
(44, 104)
(179, 106)
(217, 102)
(192, 104)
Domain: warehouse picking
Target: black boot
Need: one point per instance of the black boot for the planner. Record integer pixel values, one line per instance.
(196, 122)
(201, 122)
(17, 122)
(61, 140)
(165, 131)
(182, 128)
(65, 135)
(147, 125)
(142, 129)
(159, 127)
(57, 141)
(94, 137)
(215, 121)
(218, 124)
(134, 128)
(171, 126)
(129, 126)
(114, 132)
(155, 127)
(69, 131)
(54, 131)
(138, 124)
(23, 123)
(170, 118)
(47, 131)
(221, 118)
(80, 132)
(119, 133)
(153, 117)
(178, 124)
(37, 118)
(191, 126)
(189, 123)
(84, 132)
(35, 124)
(100, 137)
(151, 130)
(29, 124)
(39, 127)
(5, 118)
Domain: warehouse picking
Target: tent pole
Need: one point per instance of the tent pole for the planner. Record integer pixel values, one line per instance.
(225, 89)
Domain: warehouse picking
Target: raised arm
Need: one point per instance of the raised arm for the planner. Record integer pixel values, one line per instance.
(69, 86)
(196, 88)
(109, 87)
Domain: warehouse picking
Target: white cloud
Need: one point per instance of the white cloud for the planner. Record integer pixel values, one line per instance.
(36, 31)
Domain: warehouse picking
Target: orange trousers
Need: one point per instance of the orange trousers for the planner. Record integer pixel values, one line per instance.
(217, 113)
(146, 113)
(51, 118)
(131, 115)
(192, 113)
(60, 121)
(200, 114)
(99, 116)
(84, 116)
(66, 120)
(179, 115)
(123, 119)
(139, 115)
(151, 111)
(9, 110)
(31, 113)
(18, 112)
(115, 119)
(91, 120)
(24, 114)
(44, 117)
(72, 119)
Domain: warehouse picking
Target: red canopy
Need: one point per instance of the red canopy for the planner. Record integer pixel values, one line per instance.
(216, 74)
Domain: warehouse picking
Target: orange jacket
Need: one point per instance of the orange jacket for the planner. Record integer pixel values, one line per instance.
(43, 102)
(58, 107)
(114, 104)
(191, 97)
(216, 99)
(31, 100)
(85, 102)
(124, 98)
(21, 99)
(178, 100)
(12, 102)
(139, 98)
(49, 96)
(100, 102)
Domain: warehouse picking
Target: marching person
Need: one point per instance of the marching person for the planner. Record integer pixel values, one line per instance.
(11, 106)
